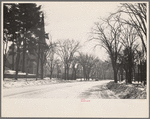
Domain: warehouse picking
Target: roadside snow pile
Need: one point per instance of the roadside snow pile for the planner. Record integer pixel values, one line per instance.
(129, 91)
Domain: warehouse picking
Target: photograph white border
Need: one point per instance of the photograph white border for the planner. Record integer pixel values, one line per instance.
(125, 108)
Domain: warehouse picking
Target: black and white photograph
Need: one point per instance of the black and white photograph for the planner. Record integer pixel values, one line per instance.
(75, 59)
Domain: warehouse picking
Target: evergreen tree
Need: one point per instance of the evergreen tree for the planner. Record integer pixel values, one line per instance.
(20, 21)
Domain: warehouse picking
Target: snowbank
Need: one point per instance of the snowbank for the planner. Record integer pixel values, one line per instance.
(129, 91)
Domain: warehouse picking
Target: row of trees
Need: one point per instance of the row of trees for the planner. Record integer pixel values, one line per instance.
(124, 39)
(124, 34)
(66, 54)
(24, 29)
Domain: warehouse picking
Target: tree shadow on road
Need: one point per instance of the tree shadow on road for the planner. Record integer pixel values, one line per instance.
(98, 92)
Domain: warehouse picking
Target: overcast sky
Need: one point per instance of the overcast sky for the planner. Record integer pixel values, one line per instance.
(74, 20)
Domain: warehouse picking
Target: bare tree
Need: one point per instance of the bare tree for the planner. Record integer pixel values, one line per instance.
(74, 66)
(97, 71)
(66, 50)
(51, 62)
(107, 36)
(128, 40)
(137, 18)
(87, 62)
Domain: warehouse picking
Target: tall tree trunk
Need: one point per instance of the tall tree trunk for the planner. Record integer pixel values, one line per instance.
(23, 56)
(119, 77)
(145, 73)
(115, 75)
(51, 73)
(57, 71)
(72, 76)
(130, 68)
(51, 69)
(88, 77)
(130, 76)
(130, 72)
(115, 71)
(75, 75)
(42, 67)
(42, 47)
(121, 73)
(141, 70)
(138, 73)
(37, 71)
(126, 77)
(4, 65)
(13, 55)
(65, 71)
(17, 61)
(84, 73)
(134, 73)
(4, 58)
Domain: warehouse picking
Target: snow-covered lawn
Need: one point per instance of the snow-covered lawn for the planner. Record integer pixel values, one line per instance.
(22, 82)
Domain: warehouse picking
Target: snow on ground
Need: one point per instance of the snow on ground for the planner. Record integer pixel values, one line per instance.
(22, 82)
(14, 72)
(128, 91)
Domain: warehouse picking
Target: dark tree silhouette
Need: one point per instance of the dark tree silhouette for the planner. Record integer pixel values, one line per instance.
(129, 38)
(19, 19)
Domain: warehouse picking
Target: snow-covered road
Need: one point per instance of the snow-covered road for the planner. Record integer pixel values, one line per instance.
(74, 99)
(74, 90)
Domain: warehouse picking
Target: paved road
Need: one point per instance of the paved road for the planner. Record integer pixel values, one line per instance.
(74, 90)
